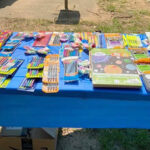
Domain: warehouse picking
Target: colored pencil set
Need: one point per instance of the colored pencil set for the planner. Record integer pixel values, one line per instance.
(27, 85)
(69, 51)
(35, 68)
(54, 40)
(90, 37)
(8, 67)
(36, 63)
(70, 69)
(51, 74)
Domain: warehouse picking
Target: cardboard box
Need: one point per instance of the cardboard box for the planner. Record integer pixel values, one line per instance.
(38, 139)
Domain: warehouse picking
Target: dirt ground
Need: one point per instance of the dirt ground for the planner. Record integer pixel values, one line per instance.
(78, 139)
(46, 9)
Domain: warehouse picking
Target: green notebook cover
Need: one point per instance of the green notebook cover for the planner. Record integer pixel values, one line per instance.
(114, 68)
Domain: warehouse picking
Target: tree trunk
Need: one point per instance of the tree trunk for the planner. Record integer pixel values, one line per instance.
(66, 4)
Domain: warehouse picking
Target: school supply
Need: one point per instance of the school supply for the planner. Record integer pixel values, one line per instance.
(70, 68)
(114, 40)
(139, 52)
(43, 51)
(55, 40)
(19, 36)
(29, 50)
(9, 47)
(51, 74)
(68, 51)
(132, 40)
(3, 60)
(4, 35)
(143, 61)
(64, 38)
(27, 85)
(146, 80)
(113, 68)
(42, 39)
(91, 37)
(10, 66)
(84, 67)
(4, 81)
(34, 73)
(36, 63)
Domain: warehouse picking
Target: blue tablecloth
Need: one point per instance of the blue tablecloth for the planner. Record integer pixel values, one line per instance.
(76, 105)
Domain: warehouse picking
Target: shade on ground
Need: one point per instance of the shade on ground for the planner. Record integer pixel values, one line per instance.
(46, 9)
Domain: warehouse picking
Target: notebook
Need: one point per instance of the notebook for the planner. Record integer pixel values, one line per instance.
(114, 40)
(113, 68)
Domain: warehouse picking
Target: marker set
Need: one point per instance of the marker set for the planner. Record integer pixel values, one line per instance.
(8, 67)
(4, 35)
(51, 74)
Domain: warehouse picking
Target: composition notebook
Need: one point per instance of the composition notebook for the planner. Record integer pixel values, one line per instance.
(113, 68)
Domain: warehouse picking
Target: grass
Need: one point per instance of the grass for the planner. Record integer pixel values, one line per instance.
(124, 139)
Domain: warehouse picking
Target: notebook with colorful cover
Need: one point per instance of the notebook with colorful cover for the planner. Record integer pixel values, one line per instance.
(114, 40)
(113, 68)
(132, 40)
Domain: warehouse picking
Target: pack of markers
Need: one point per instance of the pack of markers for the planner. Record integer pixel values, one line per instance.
(8, 67)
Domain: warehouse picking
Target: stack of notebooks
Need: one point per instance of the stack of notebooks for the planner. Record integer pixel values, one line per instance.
(113, 68)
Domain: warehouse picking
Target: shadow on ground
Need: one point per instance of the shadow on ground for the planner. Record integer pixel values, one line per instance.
(81, 139)
(4, 3)
(68, 17)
